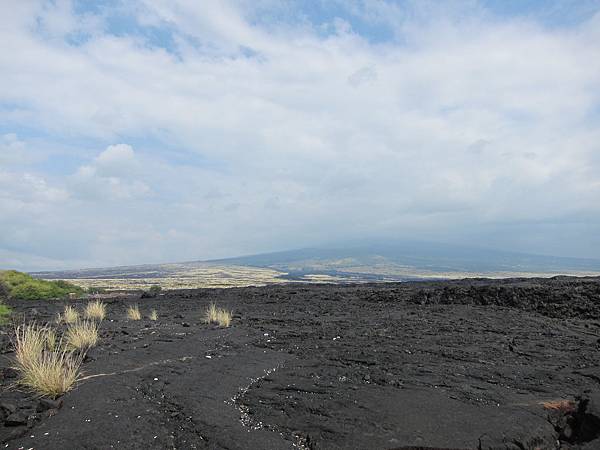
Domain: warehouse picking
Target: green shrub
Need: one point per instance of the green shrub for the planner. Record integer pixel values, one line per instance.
(155, 289)
(4, 310)
(24, 287)
(4, 292)
(4, 313)
(152, 292)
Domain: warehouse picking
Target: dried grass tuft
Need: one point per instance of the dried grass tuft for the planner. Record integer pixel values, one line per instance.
(69, 315)
(217, 315)
(95, 310)
(44, 365)
(82, 335)
(133, 313)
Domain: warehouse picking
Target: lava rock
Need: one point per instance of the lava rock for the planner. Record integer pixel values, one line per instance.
(588, 418)
(8, 408)
(9, 372)
(47, 403)
(16, 419)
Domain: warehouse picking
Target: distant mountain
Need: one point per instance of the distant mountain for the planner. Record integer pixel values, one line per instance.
(414, 260)
(373, 261)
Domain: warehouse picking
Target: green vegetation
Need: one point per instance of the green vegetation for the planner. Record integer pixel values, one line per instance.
(154, 291)
(24, 287)
(4, 313)
(4, 310)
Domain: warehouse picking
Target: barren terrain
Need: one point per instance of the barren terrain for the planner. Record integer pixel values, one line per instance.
(451, 365)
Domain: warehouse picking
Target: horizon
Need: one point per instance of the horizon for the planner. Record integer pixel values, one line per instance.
(139, 132)
(371, 247)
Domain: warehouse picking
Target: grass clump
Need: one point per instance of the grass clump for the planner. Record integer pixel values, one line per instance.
(133, 313)
(217, 315)
(69, 315)
(22, 286)
(30, 342)
(210, 316)
(153, 315)
(82, 335)
(51, 339)
(95, 310)
(224, 318)
(53, 373)
(45, 366)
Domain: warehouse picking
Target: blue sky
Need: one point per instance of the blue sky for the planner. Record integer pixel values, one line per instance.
(151, 131)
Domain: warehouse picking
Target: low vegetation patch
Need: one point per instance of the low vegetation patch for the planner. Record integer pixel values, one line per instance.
(82, 335)
(69, 315)
(44, 366)
(22, 286)
(4, 313)
(217, 315)
(133, 313)
(4, 310)
(154, 291)
(95, 310)
(153, 315)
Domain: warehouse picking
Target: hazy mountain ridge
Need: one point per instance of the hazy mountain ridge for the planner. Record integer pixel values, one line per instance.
(427, 257)
(353, 263)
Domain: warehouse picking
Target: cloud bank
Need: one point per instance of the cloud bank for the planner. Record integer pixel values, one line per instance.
(151, 131)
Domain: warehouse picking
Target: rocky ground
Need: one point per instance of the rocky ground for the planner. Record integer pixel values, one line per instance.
(477, 364)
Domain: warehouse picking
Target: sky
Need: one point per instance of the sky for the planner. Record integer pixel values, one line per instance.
(147, 131)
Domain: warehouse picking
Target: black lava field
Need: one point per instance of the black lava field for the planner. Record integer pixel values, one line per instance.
(471, 364)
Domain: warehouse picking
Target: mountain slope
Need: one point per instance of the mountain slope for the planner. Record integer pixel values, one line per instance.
(412, 258)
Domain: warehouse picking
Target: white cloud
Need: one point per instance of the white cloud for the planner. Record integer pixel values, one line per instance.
(12, 150)
(459, 125)
(112, 175)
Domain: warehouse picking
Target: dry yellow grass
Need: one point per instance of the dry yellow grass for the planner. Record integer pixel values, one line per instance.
(82, 335)
(69, 315)
(217, 315)
(30, 341)
(211, 314)
(50, 339)
(133, 313)
(224, 318)
(95, 310)
(46, 372)
(153, 315)
(52, 374)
